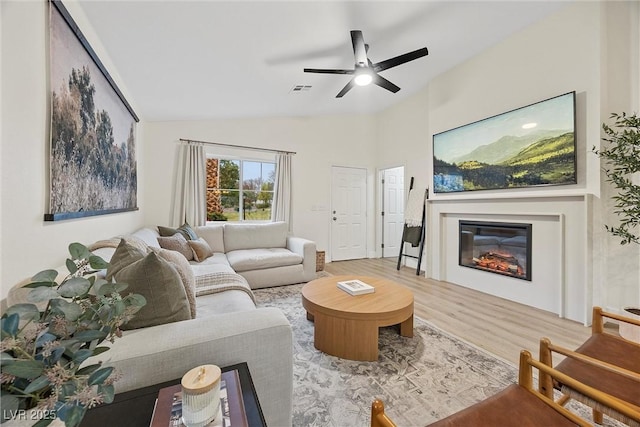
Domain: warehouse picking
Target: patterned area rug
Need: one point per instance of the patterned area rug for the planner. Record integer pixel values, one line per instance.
(420, 379)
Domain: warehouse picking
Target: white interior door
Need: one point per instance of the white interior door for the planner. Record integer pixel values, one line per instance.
(393, 210)
(348, 213)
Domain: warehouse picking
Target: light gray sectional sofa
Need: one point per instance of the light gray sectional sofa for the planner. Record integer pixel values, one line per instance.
(228, 328)
(261, 253)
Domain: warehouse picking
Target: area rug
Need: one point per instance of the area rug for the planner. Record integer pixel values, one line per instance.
(420, 379)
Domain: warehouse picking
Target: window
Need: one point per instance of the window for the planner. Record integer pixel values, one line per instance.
(239, 190)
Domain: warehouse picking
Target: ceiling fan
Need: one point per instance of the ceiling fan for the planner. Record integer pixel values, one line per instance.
(364, 71)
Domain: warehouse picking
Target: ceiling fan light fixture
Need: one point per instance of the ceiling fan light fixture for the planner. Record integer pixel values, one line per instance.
(363, 78)
(366, 72)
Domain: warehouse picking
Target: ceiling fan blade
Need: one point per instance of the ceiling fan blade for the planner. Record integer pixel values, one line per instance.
(327, 71)
(346, 89)
(359, 48)
(401, 59)
(382, 82)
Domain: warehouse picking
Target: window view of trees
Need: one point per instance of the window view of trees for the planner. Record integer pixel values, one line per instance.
(239, 190)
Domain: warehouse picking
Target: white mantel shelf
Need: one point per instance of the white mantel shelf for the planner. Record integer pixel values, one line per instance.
(560, 249)
(471, 196)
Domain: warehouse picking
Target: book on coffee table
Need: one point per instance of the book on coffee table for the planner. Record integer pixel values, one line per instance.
(356, 287)
(168, 409)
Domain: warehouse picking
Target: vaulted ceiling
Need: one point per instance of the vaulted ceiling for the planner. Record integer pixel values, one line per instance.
(196, 60)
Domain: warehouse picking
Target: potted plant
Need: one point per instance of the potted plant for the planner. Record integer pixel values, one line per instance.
(46, 342)
(622, 160)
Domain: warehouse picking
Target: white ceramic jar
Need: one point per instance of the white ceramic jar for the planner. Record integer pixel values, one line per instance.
(200, 395)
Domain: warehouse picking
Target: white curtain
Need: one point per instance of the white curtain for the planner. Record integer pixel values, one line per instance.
(190, 204)
(281, 208)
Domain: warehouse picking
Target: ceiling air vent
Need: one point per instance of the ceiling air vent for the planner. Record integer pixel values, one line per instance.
(300, 88)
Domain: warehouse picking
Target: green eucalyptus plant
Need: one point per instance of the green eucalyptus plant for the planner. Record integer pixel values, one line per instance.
(622, 159)
(45, 342)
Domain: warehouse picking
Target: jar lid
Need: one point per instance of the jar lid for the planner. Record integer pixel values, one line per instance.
(201, 379)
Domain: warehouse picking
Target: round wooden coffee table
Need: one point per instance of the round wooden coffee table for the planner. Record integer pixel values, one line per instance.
(346, 326)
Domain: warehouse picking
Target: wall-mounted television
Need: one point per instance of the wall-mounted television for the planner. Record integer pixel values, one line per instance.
(530, 146)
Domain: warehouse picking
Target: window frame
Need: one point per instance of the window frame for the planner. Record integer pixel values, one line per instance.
(241, 190)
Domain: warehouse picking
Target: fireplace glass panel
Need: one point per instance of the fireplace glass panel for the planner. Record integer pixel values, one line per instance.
(497, 247)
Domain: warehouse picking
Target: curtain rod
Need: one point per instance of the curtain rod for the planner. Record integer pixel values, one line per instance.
(238, 146)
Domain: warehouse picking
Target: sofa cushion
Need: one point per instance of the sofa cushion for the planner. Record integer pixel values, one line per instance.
(158, 281)
(216, 264)
(213, 234)
(256, 259)
(124, 255)
(211, 269)
(177, 243)
(201, 249)
(186, 274)
(251, 236)
(216, 258)
(148, 236)
(230, 301)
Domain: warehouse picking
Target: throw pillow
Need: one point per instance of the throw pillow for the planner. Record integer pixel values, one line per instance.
(201, 249)
(188, 232)
(213, 234)
(166, 231)
(186, 274)
(137, 242)
(178, 243)
(159, 282)
(185, 229)
(125, 254)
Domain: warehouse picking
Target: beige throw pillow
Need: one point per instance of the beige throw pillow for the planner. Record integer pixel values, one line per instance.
(201, 249)
(125, 254)
(178, 243)
(186, 274)
(137, 242)
(159, 282)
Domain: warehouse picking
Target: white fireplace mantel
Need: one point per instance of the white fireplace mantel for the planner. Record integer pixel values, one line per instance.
(559, 250)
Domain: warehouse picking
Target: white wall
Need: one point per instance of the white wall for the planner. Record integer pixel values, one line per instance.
(616, 264)
(403, 140)
(320, 143)
(567, 51)
(27, 243)
(557, 55)
(552, 57)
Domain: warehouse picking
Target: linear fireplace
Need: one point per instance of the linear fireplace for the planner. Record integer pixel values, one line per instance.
(497, 247)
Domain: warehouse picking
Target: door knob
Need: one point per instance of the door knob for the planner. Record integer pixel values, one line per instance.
(334, 218)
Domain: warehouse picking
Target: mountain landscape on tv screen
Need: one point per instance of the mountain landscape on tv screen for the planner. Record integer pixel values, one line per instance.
(544, 157)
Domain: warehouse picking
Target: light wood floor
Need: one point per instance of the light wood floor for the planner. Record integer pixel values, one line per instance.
(497, 325)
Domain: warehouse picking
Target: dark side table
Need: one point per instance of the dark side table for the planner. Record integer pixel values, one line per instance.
(135, 408)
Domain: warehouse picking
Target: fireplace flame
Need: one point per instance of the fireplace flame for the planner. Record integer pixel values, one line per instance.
(502, 262)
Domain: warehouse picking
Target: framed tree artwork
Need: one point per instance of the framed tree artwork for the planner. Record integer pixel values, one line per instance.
(93, 129)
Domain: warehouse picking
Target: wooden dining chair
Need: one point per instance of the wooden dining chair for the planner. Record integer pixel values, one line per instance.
(378, 417)
(522, 404)
(605, 361)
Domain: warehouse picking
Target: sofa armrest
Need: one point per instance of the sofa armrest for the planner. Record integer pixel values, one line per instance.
(306, 249)
(260, 337)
